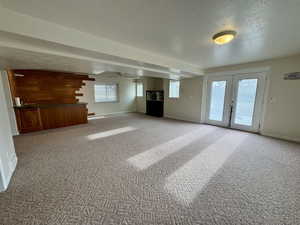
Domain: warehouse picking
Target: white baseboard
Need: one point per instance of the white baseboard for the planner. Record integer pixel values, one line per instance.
(110, 114)
(17, 133)
(283, 137)
(13, 164)
(12, 167)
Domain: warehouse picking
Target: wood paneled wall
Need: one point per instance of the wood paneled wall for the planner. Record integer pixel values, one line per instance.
(39, 86)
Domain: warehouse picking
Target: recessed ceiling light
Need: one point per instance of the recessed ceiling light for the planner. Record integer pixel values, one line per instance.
(140, 73)
(173, 70)
(99, 72)
(224, 37)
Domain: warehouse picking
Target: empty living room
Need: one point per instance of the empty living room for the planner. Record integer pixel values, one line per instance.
(139, 112)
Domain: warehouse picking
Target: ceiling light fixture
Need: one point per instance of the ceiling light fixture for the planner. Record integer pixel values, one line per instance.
(224, 37)
(140, 73)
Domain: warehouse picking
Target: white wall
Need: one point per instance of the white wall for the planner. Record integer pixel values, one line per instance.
(282, 108)
(127, 94)
(141, 101)
(8, 159)
(9, 102)
(188, 105)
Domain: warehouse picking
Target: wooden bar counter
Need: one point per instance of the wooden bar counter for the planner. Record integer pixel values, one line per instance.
(35, 117)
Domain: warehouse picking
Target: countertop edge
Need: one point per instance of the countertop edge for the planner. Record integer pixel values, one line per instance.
(44, 105)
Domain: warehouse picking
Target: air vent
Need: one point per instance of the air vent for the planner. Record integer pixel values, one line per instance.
(292, 76)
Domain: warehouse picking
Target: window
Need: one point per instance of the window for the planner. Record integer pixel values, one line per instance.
(106, 92)
(139, 89)
(217, 100)
(174, 86)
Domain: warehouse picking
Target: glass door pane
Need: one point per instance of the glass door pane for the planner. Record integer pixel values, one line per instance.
(217, 100)
(245, 102)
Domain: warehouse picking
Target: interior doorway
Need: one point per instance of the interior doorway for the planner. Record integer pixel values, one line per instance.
(235, 101)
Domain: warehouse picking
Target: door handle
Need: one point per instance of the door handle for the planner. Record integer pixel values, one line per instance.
(230, 113)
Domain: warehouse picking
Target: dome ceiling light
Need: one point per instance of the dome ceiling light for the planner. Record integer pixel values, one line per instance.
(224, 37)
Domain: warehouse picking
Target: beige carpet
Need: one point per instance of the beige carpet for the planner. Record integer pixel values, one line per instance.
(134, 169)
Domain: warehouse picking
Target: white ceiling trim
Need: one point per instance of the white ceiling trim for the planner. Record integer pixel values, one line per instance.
(238, 72)
(36, 28)
(8, 41)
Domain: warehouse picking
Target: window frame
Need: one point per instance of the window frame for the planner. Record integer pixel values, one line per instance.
(173, 97)
(111, 101)
(142, 84)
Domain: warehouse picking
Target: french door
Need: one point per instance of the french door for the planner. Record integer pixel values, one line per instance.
(235, 101)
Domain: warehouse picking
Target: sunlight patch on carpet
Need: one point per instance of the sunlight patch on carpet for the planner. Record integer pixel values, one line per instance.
(187, 181)
(96, 117)
(148, 158)
(110, 133)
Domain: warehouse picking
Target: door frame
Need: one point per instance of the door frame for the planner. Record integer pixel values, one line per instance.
(265, 71)
(258, 101)
(226, 108)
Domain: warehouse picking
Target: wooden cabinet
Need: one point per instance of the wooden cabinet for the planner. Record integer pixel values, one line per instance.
(54, 117)
(49, 98)
(47, 116)
(28, 119)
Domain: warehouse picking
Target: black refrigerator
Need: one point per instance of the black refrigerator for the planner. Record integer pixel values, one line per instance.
(155, 103)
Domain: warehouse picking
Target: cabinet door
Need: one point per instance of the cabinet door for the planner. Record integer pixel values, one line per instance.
(155, 108)
(29, 120)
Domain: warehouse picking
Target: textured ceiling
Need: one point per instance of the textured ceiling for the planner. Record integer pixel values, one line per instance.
(181, 29)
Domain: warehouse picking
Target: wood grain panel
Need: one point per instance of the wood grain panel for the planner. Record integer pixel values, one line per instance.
(59, 116)
(49, 99)
(39, 86)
